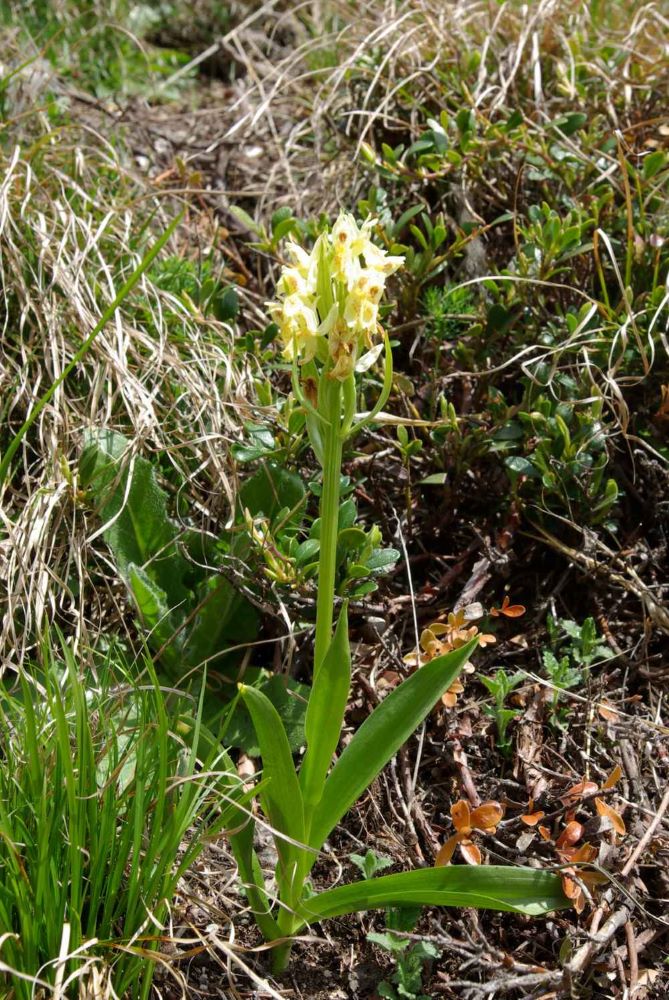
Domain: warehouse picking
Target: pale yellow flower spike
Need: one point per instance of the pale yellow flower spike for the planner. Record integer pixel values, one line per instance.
(357, 272)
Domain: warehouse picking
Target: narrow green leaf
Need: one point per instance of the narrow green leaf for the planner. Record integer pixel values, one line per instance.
(155, 615)
(404, 218)
(281, 797)
(241, 828)
(381, 735)
(325, 712)
(519, 890)
(245, 220)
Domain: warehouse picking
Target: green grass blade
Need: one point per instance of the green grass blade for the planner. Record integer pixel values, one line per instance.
(381, 735)
(325, 713)
(281, 797)
(518, 890)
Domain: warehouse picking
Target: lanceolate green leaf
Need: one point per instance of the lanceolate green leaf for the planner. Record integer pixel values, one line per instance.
(325, 712)
(134, 509)
(242, 828)
(281, 797)
(381, 735)
(520, 890)
(155, 614)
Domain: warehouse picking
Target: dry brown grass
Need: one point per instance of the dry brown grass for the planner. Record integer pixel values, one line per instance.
(75, 217)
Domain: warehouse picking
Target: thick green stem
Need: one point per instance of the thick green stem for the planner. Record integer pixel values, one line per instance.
(330, 407)
(281, 957)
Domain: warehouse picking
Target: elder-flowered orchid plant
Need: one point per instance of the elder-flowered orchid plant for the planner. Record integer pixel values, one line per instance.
(327, 312)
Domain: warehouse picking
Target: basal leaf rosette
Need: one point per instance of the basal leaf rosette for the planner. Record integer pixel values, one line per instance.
(327, 306)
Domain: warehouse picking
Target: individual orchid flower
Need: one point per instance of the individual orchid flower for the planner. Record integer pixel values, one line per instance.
(380, 260)
(299, 327)
(348, 243)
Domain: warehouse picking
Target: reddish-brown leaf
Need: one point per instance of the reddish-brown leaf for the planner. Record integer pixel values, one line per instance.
(486, 816)
(571, 835)
(461, 816)
(578, 791)
(470, 852)
(610, 813)
(531, 819)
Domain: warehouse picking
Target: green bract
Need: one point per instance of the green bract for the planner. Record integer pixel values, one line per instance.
(320, 318)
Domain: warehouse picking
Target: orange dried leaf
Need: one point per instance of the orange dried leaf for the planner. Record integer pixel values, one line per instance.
(531, 819)
(608, 712)
(573, 891)
(470, 852)
(449, 699)
(571, 835)
(610, 813)
(461, 816)
(486, 640)
(486, 816)
(446, 851)
(578, 791)
(583, 854)
(575, 881)
(613, 778)
(508, 610)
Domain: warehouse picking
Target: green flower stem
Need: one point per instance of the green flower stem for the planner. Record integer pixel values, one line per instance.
(281, 957)
(329, 405)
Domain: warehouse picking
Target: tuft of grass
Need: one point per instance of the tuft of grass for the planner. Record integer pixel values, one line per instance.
(104, 803)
